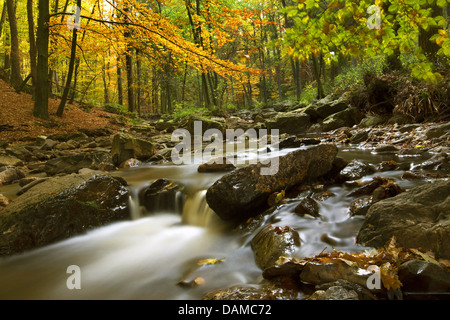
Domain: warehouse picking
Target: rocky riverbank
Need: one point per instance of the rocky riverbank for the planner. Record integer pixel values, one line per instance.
(47, 179)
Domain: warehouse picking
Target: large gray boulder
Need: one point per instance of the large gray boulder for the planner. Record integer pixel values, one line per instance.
(289, 122)
(243, 192)
(345, 118)
(125, 146)
(59, 208)
(419, 217)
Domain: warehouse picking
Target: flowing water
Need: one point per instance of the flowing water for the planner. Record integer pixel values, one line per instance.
(147, 256)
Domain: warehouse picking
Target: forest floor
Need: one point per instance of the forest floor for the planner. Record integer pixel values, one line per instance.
(17, 121)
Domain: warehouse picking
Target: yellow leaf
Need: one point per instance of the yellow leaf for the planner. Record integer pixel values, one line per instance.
(389, 277)
(209, 261)
(425, 256)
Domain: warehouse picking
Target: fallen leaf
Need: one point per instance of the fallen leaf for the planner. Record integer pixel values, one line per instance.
(209, 261)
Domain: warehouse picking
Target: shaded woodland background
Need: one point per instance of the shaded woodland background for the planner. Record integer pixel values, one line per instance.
(142, 58)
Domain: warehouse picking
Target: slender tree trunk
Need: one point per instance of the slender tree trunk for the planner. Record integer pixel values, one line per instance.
(105, 84)
(3, 17)
(16, 77)
(73, 52)
(33, 52)
(139, 81)
(129, 68)
(119, 83)
(41, 90)
(317, 74)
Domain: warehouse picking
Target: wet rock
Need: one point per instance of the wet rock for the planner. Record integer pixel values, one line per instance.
(317, 273)
(334, 293)
(241, 293)
(59, 208)
(290, 142)
(130, 163)
(21, 151)
(283, 268)
(4, 201)
(308, 206)
(423, 276)
(386, 148)
(362, 292)
(418, 218)
(345, 118)
(439, 161)
(413, 175)
(359, 137)
(30, 184)
(164, 154)
(72, 163)
(10, 174)
(126, 146)
(216, 165)
(355, 170)
(27, 180)
(408, 128)
(289, 122)
(368, 188)
(6, 160)
(49, 144)
(243, 192)
(359, 207)
(388, 166)
(438, 130)
(273, 242)
(162, 195)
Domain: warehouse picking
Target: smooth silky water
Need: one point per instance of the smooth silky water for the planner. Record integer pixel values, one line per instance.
(147, 256)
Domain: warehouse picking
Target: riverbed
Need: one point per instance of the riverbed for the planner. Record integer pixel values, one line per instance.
(157, 255)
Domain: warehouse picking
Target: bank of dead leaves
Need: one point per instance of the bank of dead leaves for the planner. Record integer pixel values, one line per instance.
(17, 121)
(386, 260)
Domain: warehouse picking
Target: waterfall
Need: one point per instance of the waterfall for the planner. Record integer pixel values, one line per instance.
(192, 207)
(196, 210)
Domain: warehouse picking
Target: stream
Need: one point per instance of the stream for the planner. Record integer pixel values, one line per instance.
(147, 256)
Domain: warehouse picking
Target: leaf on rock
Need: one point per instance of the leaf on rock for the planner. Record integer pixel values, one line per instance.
(389, 277)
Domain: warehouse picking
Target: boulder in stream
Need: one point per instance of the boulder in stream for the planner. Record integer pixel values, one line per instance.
(243, 192)
(417, 218)
(273, 242)
(59, 208)
(126, 146)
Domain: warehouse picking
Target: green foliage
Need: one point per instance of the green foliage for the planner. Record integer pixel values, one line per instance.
(347, 27)
(308, 94)
(181, 111)
(115, 108)
(353, 77)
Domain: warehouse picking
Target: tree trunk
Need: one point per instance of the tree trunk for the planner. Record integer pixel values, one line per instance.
(317, 65)
(430, 48)
(105, 84)
(32, 40)
(129, 67)
(73, 52)
(16, 77)
(41, 90)
(3, 18)
(119, 83)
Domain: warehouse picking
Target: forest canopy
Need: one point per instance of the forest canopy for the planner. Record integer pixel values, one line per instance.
(148, 57)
